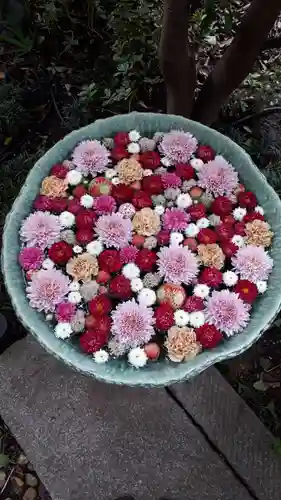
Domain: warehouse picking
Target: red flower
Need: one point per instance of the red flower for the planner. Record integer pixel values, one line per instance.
(121, 139)
(164, 317)
(252, 216)
(207, 236)
(224, 231)
(122, 193)
(163, 238)
(92, 341)
(138, 240)
(185, 172)
(152, 184)
(240, 228)
(60, 252)
(79, 191)
(58, 205)
(197, 211)
(150, 159)
(100, 186)
(74, 206)
(59, 170)
(211, 276)
(100, 305)
(208, 336)
(119, 152)
(109, 260)
(205, 153)
(146, 260)
(142, 199)
(98, 323)
(85, 218)
(246, 290)
(221, 206)
(191, 243)
(194, 303)
(120, 287)
(229, 248)
(247, 199)
(84, 236)
(42, 202)
(229, 219)
(103, 277)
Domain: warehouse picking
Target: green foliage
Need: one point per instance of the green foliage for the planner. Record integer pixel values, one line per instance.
(12, 112)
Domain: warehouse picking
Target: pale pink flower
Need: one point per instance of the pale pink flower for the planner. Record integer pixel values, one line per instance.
(104, 204)
(227, 312)
(132, 324)
(218, 177)
(90, 157)
(31, 258)
(175, 219)
(177, 265)
(252, 263)
(178, 146)
(40, 229)
(114, 230)
(47, 289)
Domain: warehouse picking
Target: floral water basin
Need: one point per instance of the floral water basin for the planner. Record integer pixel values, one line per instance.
(144, 248)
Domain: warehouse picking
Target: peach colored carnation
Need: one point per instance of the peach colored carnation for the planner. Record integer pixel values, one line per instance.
(53, 187)
(211, 255)
(258, 233)
(146, 222)
(83, 267)
(129, 170)
(181, 344)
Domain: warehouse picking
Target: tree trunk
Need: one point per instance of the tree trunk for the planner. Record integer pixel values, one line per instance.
(176, 58)
(238, 59)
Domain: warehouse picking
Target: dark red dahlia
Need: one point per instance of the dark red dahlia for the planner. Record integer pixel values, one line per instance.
(60, 252)
(85, 218)
(197, 211)
(193, 304)
(150, 160)
(141, 199)
(253, 216)
(100, 305)
(229, 249)
(247, 199)
(122, 193)
(228, 219)
(59, 170)
(74, 206)
(246, 290)
(163, 238)
(207, 236)
(152, 184)
(84, 236)
(205, 153)
(119, 152)
(185, 171)
(42, 202)
(164, 317)
(109, 260)
(208, 336)
(221, 206)
(239, 228)
(224, 231)
(79, 191)
(92, 341)
(120, 287)
(59, 205)
(98, 323)
(146, 260)
(211, 276)
(121, 139)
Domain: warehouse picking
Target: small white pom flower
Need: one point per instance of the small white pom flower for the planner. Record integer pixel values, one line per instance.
(133, 148)
(77, 249)
(74, 286)
(147, 172)
(87, 201)
(192, 230)
(147, 297)
(134, 136)
(74, 297)
(73, 177)
(261, 286)
(101, 356)
(136, 285)
(197, 319)
(95, 247)
(196, 163)
(49, 317)
(165, 162)
(181, 317)
(67, 219)
(239, 213)
(131, 271)
(238, 240)
(176, 238)
(201, 291)
(63, 330)
(110, 173)
(48, 264)
(259, 210)
(116, 181)
(230, 278)
(159, 209)
(203, 223)
(137, 357)
(184, 200)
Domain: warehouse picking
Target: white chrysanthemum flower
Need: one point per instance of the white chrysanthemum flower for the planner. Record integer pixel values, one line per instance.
(230, 278)
(74, 297)
(203, 223)
(136, 285)
(201, 291)
(95, 247)
(77, 249)
(259, 210)
(74, 286)
(191, 230)
(73, 177)
(181, 317)
(110, 173)
(87, 201)
(147, 297)
(101, 356)
(133, 148)
(196, 319)
(184, 200)
(147, 172)
(48, 264)
(131, 271)
(239, 213)
(176, 238)
(63, 330)
(196, 163)
(165, 162)
(261, 286)
(67, 219)
(116, 181)
(159, 209)
(134, 136)
(238, 240)
(137, 357)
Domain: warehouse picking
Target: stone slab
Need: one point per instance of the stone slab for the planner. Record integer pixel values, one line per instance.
(93, 441)
(235, 430)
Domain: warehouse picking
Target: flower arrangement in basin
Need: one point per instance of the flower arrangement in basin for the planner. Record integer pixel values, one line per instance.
(144, 248)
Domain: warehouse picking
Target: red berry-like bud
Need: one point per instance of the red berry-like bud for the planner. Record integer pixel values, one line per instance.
(239, 228)
(141, 200)
(152, 350)
(247, 199)
(208, 336)
(60, 252)
(221, 206)
(205, 153)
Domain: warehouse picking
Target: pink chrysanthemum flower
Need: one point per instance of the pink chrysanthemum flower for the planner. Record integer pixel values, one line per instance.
(218, 177)
(114, 230)
(90, 157)
(132, 324)
(170, 180)
(127, 210)
(104, 204)
(175, 219)
(227, 312)
(177, 265)
(252, 263)
(178, 146)
(31, 258)
(65, 312)
(41, 229)
(47, 289)
(128, 254)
